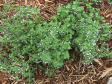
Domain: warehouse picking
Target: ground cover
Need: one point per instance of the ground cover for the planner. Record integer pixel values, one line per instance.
(82, 77)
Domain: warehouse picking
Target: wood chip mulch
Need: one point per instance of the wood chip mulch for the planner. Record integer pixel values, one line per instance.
(77, 73)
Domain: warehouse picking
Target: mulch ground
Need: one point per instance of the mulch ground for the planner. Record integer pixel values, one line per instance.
(73, 72)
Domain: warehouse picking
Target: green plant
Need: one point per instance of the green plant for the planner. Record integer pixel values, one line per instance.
(35, 41)
(15, 31)
(85, 22)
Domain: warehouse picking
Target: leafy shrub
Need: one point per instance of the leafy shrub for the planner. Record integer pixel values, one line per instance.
(35, 41)
(85, 21)
(15, 31)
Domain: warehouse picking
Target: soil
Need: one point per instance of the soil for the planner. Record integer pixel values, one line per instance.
(73, 72)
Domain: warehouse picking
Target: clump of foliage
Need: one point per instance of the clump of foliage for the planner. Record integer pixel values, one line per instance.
(35, 41)
(85, 22)
(32, 41)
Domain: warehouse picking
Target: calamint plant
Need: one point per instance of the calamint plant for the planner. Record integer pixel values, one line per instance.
(31, 41)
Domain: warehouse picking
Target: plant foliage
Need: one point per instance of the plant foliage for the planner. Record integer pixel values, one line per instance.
(34, 41)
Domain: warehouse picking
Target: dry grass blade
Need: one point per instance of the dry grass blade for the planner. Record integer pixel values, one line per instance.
(106, 72)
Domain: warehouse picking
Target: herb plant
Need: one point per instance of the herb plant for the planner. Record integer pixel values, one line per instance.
(85, 22)
(33, 40)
